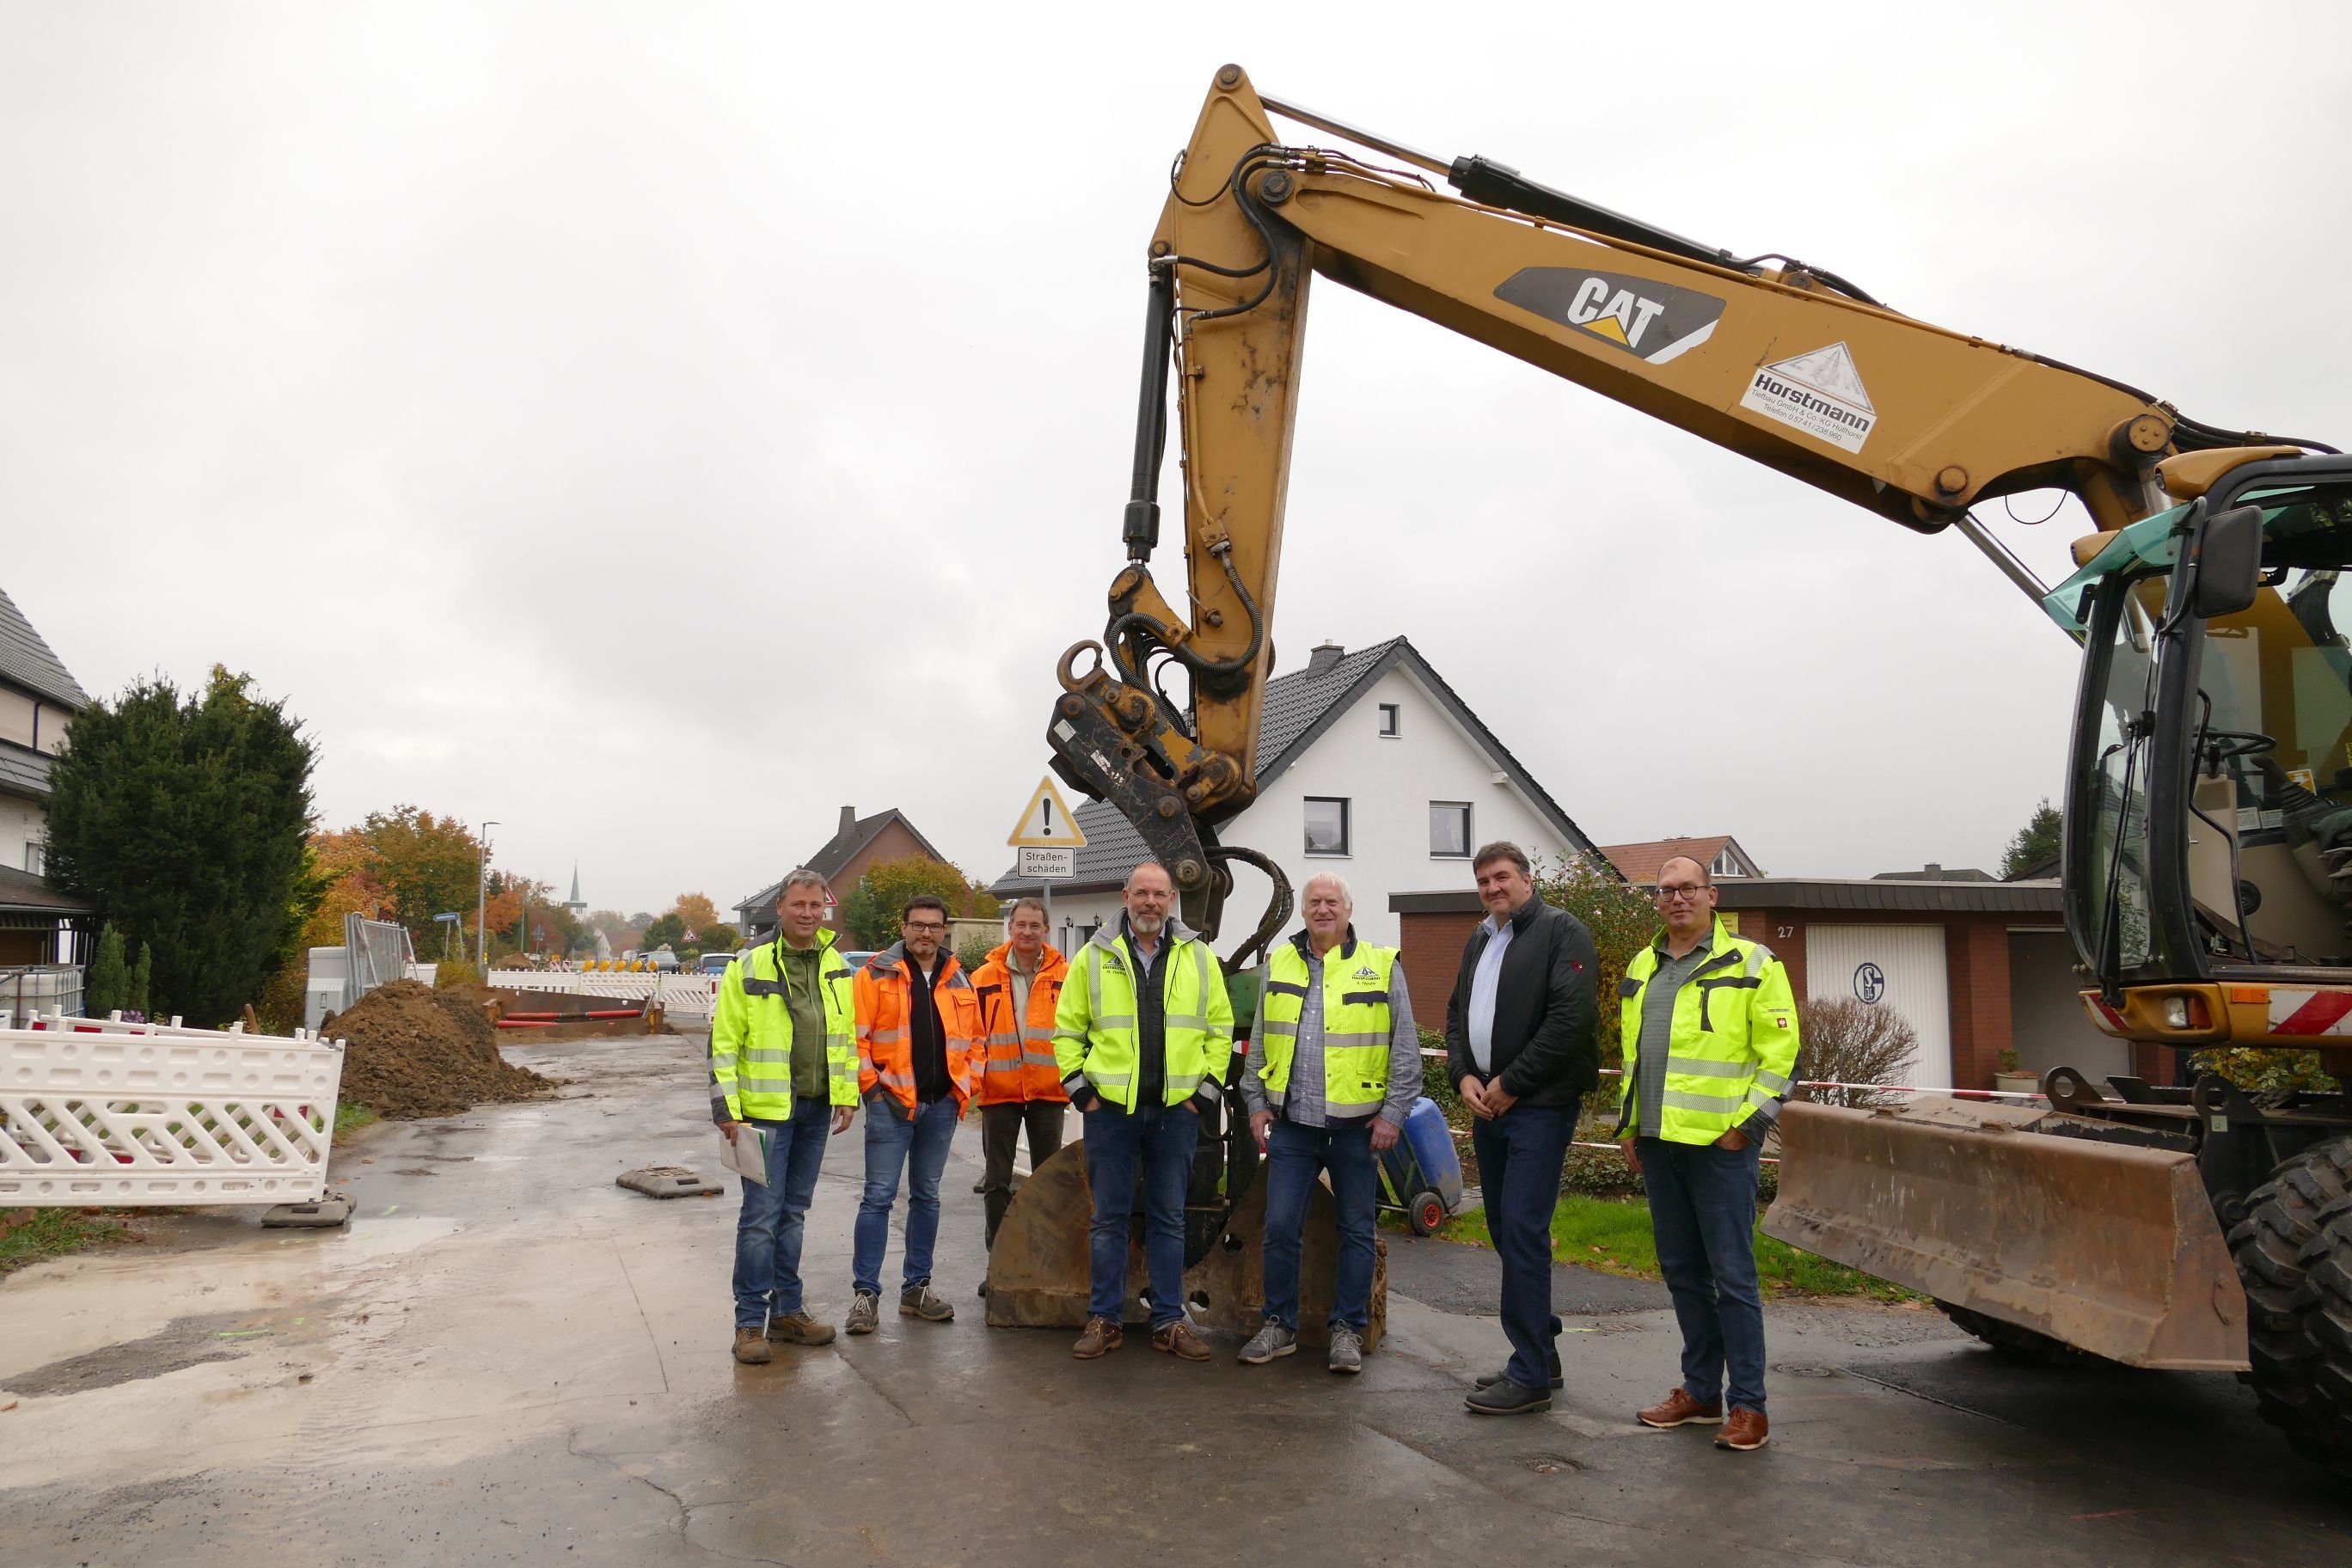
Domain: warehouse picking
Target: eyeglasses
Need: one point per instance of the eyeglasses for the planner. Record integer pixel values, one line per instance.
(930, 926)
(1673, 895)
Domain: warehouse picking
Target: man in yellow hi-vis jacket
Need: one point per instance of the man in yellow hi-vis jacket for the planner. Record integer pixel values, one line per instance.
(1143, 1037)
(783, 1065)
(1710, 1037)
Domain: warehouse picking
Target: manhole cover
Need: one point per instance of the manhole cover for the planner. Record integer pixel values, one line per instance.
(1802, 1369)
(1550, 1464)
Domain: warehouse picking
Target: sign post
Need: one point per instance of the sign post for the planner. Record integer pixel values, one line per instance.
(1048, 838)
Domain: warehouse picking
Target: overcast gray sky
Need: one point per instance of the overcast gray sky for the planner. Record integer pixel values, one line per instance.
(654, 426)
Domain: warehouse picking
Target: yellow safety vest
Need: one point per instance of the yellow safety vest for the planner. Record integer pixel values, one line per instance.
(1357, 1024)
(1734, 1043)
(751, 1034)
(1095, 1028)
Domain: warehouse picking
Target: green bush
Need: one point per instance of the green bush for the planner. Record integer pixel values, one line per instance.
(2261, 1071)
(183, 818)
(107, 986)
(1622, 920)
(1436, 1084)
(972, 952)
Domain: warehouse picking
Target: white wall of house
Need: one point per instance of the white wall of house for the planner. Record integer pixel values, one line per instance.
(1389, 783)
(23, 827)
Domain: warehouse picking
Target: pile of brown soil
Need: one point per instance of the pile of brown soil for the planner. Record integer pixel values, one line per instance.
(412, 1052)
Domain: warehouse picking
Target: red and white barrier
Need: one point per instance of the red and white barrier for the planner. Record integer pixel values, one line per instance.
(98, 1112)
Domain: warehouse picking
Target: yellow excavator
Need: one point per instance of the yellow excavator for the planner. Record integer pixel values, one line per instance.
(2207, 847)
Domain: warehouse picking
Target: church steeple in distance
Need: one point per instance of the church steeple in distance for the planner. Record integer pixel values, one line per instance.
(577, 905)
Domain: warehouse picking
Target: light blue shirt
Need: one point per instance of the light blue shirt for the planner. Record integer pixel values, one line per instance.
(1483, 983)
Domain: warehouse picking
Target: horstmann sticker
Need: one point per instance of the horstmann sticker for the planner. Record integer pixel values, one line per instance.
(1819, 392)
(1652, 322)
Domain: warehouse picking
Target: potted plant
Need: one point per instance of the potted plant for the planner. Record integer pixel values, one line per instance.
(2013, 1080)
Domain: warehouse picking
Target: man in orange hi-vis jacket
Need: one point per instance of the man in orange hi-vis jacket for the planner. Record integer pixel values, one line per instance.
(1019, 1084)
(918, 1048)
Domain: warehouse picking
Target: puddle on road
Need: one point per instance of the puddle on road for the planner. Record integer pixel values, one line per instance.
(183, 1343)
(368, 1237)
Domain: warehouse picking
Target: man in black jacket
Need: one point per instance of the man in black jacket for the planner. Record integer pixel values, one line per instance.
(1520, 1047)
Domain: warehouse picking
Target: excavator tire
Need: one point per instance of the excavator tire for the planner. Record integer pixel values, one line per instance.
(2019, 1344)
(2273, 1247)
(2328, 1324)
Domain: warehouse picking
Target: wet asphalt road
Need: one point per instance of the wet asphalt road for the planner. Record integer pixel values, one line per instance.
(507, 1359)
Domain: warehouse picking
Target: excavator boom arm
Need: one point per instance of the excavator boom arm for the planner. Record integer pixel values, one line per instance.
(1789, 366)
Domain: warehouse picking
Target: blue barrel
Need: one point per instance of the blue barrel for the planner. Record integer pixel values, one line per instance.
(1423, 1161)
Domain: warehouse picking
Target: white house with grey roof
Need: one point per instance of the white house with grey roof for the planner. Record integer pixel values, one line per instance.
(1369, 764)
(38, 700)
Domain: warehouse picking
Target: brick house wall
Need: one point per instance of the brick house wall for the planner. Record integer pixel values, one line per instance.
(1975, 959)
(1431, 956)
(1976, 974)
(893, 843)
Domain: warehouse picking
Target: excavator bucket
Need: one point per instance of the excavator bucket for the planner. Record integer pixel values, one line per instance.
(1040, 1276)
(2029, 1217)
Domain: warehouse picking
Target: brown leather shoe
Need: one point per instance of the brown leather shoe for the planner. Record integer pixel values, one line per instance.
(1180, 1341)
(1746, 1429)
(1101, 1337)
(750, 1347)
(1679, 1409)
(799, 1329)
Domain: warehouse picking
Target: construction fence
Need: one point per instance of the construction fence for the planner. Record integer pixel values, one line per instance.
(691, 995)
(95, 1112)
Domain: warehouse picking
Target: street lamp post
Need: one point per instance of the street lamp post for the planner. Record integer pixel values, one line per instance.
(482, 906)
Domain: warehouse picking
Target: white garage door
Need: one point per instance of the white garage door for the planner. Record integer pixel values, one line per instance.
(1897, 966)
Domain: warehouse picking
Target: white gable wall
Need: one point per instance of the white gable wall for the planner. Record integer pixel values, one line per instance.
(1389, 785)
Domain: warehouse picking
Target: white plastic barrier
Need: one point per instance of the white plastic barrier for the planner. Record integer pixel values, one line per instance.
(690, 993)
(96, 1112)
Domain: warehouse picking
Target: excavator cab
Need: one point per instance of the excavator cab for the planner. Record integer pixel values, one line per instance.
(2209, 845)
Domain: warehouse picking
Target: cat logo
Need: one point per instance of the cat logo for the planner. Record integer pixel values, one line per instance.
(1653, 322)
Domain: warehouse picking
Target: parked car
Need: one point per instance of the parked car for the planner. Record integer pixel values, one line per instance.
(664, 961)
(716, 963)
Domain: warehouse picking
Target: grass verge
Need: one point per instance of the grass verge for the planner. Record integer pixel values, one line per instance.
(31, 1236)
(1614, 1238)
(348, 1116)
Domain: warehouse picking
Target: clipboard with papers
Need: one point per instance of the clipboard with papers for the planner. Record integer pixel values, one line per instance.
(746, 1152)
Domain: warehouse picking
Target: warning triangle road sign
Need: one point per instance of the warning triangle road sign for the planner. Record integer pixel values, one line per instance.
(1047, 820)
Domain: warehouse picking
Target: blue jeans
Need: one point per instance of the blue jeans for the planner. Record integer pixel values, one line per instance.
(1164, 1137)
(768, 1231)
(1294, 1155)
(920, 1148)
(1520, 1154)
(1703, 1208)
